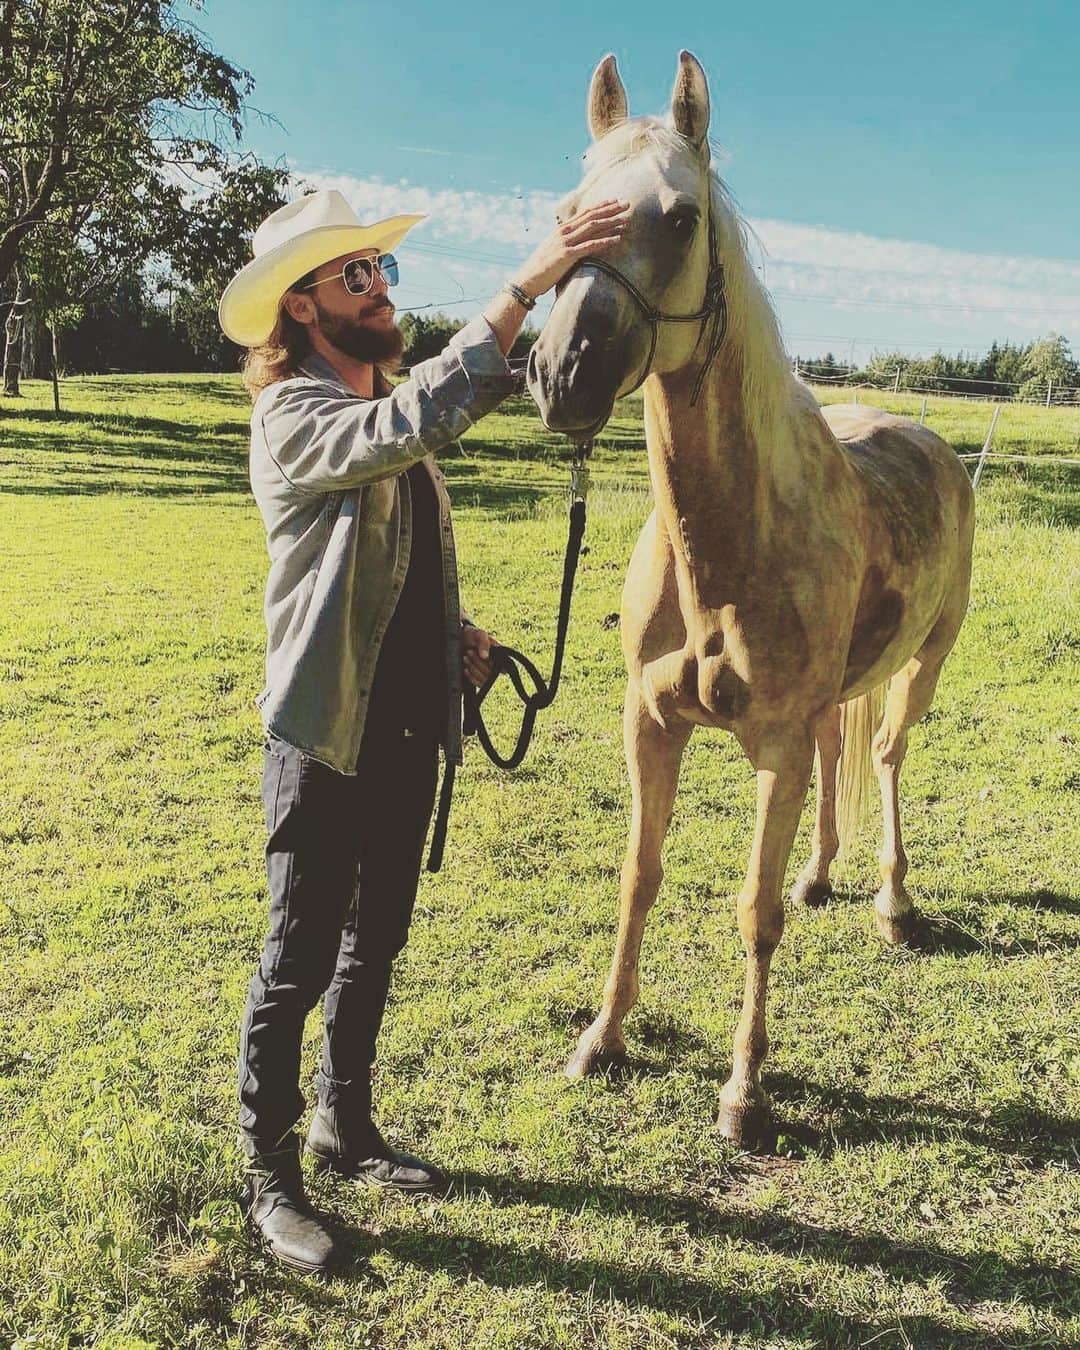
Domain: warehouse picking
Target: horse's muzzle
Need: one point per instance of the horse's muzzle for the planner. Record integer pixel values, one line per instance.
(573, 388)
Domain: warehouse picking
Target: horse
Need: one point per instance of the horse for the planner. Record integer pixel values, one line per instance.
(800, 580)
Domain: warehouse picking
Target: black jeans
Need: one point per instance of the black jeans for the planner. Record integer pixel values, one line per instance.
(343, 860)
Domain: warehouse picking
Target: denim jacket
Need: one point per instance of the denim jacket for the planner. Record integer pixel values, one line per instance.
(327, 470)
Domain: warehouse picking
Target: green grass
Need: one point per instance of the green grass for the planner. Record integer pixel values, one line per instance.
(927, 1193)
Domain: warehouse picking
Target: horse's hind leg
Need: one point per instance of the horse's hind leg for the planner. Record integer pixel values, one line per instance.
(909, 695)
(653, 756)
(812, 886)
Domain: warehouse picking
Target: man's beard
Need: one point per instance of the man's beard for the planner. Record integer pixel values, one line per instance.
(381, 345)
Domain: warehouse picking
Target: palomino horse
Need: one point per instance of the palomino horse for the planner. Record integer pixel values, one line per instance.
(798, 561)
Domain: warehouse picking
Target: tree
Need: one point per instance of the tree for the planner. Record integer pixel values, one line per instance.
(1048, 364)
(14, 314)
(214, 246)
(426, 335)
(105, 106)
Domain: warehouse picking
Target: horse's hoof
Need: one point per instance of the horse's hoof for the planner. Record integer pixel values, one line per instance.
(749, 1126)
(899, 930)
(592, 1058)
(814, 894)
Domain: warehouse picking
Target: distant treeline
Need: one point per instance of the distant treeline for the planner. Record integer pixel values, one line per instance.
(137, 329)
(1007, 370)
(141, 328)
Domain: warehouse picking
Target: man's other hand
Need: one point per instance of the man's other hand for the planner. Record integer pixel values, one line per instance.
(476, 654)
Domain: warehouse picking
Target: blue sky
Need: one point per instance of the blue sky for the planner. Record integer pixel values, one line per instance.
(912, 172)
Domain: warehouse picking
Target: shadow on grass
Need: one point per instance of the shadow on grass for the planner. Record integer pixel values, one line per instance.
(220, 386)
(505, 496)
(80, 480)
(537, 445)
(163, 451)
(849, 1116)
(773, 1309)
(1040, 898)
(129, 424)
(941, 936)
(843, 1115)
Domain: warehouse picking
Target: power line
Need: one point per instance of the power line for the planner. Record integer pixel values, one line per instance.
(1070, 306)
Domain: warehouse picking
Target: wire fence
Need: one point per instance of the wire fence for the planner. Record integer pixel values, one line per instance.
(1048, 394)
(858, 382)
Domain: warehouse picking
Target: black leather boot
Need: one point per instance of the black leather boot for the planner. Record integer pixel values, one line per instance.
(348, 1142)
(279, 1210)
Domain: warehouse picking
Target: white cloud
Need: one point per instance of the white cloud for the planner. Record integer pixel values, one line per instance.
(517, 219)
(820, 277)
(819, 262)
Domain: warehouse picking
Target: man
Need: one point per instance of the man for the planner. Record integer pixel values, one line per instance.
(366, 647)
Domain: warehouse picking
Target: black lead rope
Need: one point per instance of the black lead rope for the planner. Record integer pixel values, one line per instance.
(517, 667)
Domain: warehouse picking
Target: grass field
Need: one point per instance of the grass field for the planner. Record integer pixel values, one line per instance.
(928, 1188)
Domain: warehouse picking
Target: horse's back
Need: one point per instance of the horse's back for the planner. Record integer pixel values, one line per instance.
(871, 437)
(912, 476)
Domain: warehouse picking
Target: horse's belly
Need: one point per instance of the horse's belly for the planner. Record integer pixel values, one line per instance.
(919, 518)
(895, 614)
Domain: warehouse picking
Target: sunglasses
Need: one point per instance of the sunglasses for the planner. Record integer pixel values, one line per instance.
(358, 274)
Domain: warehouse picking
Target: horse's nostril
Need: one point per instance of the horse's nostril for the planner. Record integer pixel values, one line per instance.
(531, 371)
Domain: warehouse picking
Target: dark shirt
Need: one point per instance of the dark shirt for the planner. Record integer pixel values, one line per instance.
(409, 689)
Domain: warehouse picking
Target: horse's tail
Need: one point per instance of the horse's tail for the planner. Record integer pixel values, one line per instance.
(859, 719)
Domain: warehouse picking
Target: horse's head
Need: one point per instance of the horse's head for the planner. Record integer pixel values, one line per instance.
(600, 340)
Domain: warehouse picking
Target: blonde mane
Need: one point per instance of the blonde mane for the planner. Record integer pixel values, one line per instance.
(753, 329)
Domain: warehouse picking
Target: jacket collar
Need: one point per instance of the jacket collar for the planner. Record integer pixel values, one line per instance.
(319, 368)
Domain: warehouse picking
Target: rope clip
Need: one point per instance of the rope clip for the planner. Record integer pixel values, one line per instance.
(579, 472)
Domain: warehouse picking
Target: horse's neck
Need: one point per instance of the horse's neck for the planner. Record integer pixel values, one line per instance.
(724, 485)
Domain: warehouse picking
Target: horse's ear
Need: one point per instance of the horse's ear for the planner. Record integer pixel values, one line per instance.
(607, 98)
(690, 100)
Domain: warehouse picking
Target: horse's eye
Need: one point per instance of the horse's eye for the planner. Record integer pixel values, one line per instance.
(683, 221)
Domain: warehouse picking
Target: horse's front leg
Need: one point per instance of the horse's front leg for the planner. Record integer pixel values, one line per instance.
(783, 765)
(653, 756)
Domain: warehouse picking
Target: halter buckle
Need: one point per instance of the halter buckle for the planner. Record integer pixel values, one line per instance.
(579, 472)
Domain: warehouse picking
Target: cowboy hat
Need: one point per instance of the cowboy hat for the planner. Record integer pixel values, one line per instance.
(291, 242)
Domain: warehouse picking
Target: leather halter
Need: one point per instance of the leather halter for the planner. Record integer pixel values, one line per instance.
(714, 307)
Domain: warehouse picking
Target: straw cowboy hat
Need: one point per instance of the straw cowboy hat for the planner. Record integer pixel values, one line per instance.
(291, 242)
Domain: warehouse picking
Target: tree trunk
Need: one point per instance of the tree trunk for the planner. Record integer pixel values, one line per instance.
(55, 368)
(33, 364)
(13, 339)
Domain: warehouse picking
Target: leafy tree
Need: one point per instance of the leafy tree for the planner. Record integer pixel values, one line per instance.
(104, 105)
(1046, 363)
(116, 120)
(427, 334)
(214, 246)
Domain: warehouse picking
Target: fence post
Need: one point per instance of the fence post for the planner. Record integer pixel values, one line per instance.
(922, 415)
(986, 446)
(1049, 391)
(896, 382)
